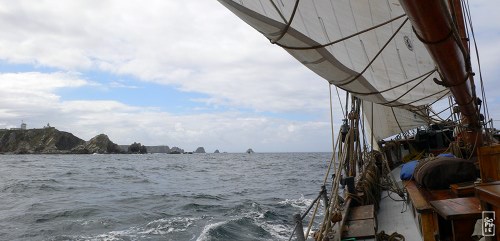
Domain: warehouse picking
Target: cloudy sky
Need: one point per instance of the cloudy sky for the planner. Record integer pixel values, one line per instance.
(170, 72)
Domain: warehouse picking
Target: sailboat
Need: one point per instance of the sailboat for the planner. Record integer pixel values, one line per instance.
(402, 65)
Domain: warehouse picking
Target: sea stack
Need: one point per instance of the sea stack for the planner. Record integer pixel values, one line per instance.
(200, 150)
(250, 151)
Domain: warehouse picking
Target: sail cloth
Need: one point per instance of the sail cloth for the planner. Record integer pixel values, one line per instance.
(385, 64)
(395, 121)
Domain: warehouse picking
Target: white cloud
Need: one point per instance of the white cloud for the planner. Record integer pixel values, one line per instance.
(32, 92)
(32, 97)
(195, 45)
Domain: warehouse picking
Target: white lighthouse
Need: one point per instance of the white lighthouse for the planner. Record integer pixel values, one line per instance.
(23, 125)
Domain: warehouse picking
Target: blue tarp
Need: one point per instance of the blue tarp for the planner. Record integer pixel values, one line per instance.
(447, 155)
(407, 170)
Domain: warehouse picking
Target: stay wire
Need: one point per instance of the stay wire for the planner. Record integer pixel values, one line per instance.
(483, 93)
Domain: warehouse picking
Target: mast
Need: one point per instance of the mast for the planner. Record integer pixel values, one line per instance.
(443, 34)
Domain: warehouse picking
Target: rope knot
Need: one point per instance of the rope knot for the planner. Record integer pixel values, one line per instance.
(336, 217)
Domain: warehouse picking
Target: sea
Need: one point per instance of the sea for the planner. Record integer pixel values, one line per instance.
(225, 196)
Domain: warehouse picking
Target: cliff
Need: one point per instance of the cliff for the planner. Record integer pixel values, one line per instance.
(46, 141)
(52, 141)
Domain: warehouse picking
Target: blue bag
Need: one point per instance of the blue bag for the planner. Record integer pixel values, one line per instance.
(407, 170)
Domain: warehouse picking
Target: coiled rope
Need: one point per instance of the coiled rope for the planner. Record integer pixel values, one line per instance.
(382, 236)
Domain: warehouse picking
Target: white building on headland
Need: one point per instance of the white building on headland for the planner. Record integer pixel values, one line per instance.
(23, 126)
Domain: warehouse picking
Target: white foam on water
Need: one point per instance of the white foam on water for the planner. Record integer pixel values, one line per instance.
(157, 227)
(279, 231)
(113, 236)
(166, 226)
(205, 233)
(302, 203)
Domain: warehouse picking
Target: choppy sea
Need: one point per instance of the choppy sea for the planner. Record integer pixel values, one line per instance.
(156, 196)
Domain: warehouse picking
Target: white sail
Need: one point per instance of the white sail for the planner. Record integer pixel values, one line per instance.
(395, 121)
(385, 64)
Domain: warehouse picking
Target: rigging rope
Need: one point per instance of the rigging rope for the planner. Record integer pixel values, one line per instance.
(409, 104)
(340, 102)
(339, 40)
(278, 11)
(287, 26)
(485, 106)
(331, 121)
(408, 91)
(427, 75)
(376, 56)
(382, 236)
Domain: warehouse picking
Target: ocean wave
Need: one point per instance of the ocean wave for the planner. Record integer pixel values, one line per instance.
(77, 213)
(201, 207)
(302, 203)
(166, 226)
(236, 229)
(25, 185)
(135, 179)
(209, 197)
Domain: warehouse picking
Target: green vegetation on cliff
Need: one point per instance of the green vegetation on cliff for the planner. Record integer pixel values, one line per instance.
(47, 140)
(52, 141)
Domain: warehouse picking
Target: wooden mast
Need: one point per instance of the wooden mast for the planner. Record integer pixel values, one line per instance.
(443, 34)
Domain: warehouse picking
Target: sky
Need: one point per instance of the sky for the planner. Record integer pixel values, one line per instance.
(176, 73)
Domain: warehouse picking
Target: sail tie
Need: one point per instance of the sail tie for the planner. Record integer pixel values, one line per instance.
(443, 83)
(428, 42)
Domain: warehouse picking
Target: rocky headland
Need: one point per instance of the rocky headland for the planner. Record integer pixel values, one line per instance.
(52, 141)
(49, 140)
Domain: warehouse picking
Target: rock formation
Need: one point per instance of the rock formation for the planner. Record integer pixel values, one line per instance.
(200, 150)
(217, 151)
(176, 150)
(99, 144)
(38, 141)
(49, 140)
(137, 148)
(158, 149)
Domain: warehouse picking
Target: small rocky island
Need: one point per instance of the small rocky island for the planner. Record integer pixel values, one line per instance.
(200, 150)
